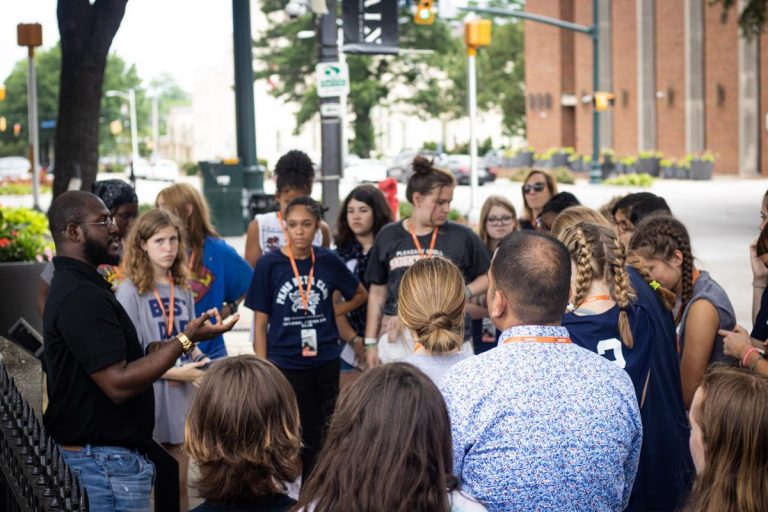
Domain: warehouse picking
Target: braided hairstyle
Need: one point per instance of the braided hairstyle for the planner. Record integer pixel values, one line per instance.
(599, 254)
(658, 236)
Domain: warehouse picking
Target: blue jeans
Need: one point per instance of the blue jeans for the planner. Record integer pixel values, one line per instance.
(116, 478)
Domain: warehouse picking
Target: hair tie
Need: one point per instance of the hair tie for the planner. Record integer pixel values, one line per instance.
(655, 284)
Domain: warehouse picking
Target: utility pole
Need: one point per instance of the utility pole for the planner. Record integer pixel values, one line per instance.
(330, 128)
(31, 35)
(477, 33)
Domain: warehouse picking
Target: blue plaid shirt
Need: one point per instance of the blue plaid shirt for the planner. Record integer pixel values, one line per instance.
(543, 426)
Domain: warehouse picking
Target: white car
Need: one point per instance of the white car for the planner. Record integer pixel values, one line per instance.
(366, 170)
(164, 170)
(15, 168)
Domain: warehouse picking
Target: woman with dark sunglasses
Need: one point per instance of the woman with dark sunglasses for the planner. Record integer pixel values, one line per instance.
(538, 188)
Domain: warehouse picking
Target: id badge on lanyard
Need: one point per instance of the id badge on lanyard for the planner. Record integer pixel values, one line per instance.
(308, 343)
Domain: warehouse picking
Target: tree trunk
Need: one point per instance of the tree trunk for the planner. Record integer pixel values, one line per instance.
(86, 32)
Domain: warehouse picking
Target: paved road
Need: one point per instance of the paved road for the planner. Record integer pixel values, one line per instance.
(722, 216)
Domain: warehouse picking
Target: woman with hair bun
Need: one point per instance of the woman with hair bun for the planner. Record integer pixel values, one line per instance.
(609, 318)
(431, 306)
(426, 233)
(702, 307)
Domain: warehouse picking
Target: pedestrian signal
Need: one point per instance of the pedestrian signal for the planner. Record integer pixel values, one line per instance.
(603, 100)
(2, 92)
(3, 124)
(424, 14)
(17, 129)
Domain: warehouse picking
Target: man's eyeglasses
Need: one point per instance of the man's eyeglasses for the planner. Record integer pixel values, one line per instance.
(109, 221)
(501, 220)
(536, 187)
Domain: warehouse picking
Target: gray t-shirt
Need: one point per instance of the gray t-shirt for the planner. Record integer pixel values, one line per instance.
(435, 365)
(171, 397)
(706, 288)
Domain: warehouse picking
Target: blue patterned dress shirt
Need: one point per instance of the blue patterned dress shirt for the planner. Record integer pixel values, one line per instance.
(543, 426)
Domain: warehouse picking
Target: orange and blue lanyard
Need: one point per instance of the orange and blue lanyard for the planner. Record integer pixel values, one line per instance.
(168, 317)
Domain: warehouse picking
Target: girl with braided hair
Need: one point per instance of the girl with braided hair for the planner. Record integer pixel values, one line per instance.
(610, 318)
(702, 308)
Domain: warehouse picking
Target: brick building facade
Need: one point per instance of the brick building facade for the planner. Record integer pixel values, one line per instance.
(684, 81)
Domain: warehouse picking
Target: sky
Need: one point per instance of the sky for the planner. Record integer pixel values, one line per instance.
(159, 36)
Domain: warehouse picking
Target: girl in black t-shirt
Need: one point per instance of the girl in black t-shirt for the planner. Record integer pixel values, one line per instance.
(425, 233)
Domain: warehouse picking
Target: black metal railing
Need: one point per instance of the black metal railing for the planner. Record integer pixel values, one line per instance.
(33, 475)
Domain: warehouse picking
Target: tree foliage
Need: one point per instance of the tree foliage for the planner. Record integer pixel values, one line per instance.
(751, 19)
(430, 84)
(117, 76)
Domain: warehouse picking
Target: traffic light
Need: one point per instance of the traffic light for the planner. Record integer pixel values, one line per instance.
(3, 124)
(424, 15)
(17, 129)
(602, 100)
(2, 92)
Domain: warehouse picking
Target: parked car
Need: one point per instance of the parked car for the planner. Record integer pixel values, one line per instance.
(15, 168)
(366, 170)
(459, 165)
(401, 168)
(164, 170)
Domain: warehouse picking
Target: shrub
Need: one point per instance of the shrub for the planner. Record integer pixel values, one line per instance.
(24, 235)
(631, 180)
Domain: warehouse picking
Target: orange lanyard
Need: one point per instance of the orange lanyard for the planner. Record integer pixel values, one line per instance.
(304, 294)
(168, 317)
(192, 260)
(418, 245)
(537, 339)
(594, 298)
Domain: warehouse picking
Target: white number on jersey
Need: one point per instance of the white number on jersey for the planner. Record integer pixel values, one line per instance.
(612, 345)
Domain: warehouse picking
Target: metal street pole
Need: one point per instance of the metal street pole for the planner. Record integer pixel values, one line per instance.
(131, 98)
(330, 128)
(31, 35)
(155, 126)
(593, 32)
(595, 174)
(474, 208)
(245, 110)
(34, 139)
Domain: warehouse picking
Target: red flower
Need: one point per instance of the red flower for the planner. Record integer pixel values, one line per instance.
(14, 233)
(4, 242)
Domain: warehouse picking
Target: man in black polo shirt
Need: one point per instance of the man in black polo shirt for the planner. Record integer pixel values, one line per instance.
(101, 403)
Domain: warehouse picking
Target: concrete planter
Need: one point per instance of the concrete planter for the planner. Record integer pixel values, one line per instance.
(18, 297)
(522, 159)
(559, 160)
(701, 170)
(607, 167)
(648, 166)
(669, 172)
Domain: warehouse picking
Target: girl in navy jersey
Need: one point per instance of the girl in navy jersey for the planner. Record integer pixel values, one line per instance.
(702, 306)
(291, 295)
(607, 318)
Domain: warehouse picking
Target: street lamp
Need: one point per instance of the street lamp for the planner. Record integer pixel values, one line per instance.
(130, 97)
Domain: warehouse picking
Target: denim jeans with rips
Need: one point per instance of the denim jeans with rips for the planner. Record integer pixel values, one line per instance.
(117, 479)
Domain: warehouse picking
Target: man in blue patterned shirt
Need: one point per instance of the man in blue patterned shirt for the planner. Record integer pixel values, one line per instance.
(539, 423)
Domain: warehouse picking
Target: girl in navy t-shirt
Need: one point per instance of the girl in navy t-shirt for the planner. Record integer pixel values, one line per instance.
(609, 318)
(291, 294)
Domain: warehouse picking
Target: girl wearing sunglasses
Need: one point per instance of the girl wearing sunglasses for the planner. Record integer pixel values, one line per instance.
(538, 188)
